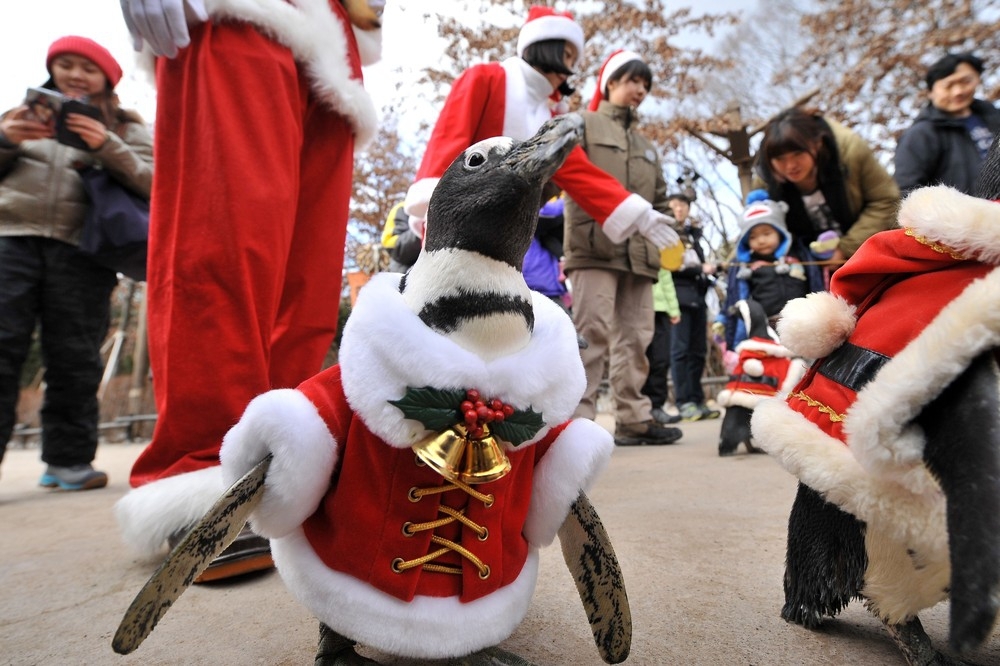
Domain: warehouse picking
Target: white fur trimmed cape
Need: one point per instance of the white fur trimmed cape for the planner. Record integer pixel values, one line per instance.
(918, 304)
(349, 432)
(318, 38)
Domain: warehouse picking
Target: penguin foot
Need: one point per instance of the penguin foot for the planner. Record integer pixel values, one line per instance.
(337, 650)
(916, 647)
(493, 656)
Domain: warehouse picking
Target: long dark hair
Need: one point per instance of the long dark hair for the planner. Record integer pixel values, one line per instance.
(802, 129)
(547, 57)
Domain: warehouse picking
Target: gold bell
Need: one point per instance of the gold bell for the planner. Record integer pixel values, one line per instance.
(458, 457)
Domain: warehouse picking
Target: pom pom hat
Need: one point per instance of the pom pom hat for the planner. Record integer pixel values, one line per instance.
(90, 50)
(615, 61)
(546, 23)
(767, 212)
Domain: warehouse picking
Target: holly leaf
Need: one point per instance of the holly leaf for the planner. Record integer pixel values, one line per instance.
(437, 409)
(519, 427)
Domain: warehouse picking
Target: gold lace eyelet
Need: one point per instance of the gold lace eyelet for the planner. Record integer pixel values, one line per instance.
(412, 494)
(406, 529)
(485, 535)
(489, 501)
(483, 575)
(395, 565)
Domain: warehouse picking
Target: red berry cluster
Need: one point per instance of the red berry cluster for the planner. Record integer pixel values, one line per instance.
(477, 412)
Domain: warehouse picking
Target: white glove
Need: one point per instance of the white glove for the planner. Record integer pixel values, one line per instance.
(161, 23)
(656, 227)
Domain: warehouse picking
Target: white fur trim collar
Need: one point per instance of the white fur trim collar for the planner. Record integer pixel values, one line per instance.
(387, 348)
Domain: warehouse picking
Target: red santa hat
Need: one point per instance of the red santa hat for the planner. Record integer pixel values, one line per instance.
(546, 23)
(90, 50)
(615, 61)
(947, 226)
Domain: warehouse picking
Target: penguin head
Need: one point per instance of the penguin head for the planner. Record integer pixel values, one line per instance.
(488, 199)
(467, 282)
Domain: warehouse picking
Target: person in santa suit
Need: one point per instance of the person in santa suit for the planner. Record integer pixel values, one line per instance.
(260, 109)
(513, 98)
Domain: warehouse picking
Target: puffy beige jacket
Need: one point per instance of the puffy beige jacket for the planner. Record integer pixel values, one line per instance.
(612, 144)
(41, 193)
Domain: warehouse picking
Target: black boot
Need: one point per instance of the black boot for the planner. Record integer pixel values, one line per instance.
(337, 650)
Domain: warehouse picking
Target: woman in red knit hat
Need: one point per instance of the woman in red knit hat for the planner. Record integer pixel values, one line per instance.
(44, 279)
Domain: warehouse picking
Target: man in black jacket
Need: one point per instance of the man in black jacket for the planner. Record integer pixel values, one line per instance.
(949, 140)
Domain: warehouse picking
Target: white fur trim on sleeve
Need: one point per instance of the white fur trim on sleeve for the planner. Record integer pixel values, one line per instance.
(815, 325)
(621, 223)
(570, 465)
(964, 223)
(287, 424)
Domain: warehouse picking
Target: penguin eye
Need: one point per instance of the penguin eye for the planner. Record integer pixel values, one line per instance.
(475, 159)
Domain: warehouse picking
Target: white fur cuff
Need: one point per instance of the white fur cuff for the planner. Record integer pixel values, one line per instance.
(285, 423)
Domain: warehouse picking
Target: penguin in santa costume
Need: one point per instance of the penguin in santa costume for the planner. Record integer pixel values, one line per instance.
(764, 369)
(894, 432)
(369, 528)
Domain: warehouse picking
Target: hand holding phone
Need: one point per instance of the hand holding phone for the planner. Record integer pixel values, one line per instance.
(51, 108)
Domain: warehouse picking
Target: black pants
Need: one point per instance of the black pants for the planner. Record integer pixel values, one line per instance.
(658, 353)
(49, 283)
(688, 349)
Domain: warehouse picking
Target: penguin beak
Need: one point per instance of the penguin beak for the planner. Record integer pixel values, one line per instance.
(540, 157)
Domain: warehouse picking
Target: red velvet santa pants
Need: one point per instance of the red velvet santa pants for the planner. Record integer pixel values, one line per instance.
(249, 215)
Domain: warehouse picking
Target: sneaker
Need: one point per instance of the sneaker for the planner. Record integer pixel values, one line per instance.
(74, 477)
(648, 433)
(248, 553)
(707, 412)
(691, 412)
(662, 417)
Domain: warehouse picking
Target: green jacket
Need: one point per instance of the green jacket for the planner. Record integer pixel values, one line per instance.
(41, 192)
(665, 296)
(612, 144)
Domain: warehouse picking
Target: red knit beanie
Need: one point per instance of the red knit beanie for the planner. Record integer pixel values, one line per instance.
(90, 50)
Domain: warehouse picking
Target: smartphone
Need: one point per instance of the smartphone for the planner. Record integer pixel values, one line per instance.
(66, 136)
(50, 107)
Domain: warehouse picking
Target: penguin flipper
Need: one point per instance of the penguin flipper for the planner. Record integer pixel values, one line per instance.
(825, 560)
(962, 430)
(588, 553)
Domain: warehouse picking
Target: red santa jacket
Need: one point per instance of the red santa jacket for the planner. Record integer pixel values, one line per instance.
(764, 370)
(473, 111)
(338, 493)
(905, 316)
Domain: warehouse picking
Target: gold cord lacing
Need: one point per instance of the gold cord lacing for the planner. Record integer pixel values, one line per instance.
(452, 515)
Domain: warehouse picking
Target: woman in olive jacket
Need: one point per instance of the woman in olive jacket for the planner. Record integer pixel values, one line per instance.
(44, 279)
(612, 282)
(829, 178)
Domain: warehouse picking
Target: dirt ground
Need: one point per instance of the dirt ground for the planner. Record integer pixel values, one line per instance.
(700, 540)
